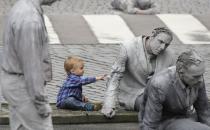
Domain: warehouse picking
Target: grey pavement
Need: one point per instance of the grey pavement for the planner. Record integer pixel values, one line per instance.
(110, 126)
(73, 29)
(104, 7)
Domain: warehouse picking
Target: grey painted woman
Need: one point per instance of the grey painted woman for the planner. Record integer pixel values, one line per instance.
(26, 66)
(138, 60)
(145, 7)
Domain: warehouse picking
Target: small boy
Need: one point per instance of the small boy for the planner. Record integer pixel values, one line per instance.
(70, 94)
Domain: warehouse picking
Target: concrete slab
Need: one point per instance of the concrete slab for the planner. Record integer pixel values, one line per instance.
(61, 116)
(187, 28)
(98, 126)
(72, 29)
(52, 35)
(204, 19)
(144, 24)
(109, 28)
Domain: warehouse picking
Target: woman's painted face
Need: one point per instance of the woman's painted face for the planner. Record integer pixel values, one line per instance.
(160, 43)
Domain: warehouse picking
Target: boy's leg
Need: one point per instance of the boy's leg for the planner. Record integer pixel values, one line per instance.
(97, 105)
(73, 103)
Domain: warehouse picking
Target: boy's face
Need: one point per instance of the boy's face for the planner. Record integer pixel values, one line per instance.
(78, 69)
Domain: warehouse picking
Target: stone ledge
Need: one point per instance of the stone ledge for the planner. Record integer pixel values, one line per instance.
(82, 117)
(60, 116)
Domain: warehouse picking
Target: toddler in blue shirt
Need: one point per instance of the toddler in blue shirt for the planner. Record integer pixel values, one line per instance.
(70, 94)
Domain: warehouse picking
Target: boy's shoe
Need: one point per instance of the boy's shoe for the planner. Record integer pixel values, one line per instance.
(93, 106)
(89, 107)
(97, 105)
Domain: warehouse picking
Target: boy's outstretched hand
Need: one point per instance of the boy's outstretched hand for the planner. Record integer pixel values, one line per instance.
(101, 77)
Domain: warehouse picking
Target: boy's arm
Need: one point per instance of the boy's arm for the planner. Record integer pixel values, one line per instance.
(87, 80)
(101, 77)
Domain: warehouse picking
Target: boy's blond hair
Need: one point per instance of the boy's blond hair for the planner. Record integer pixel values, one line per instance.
(71, 62)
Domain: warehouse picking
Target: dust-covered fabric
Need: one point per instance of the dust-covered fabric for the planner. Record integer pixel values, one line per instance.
(169, 101)
(131, 71)
(26, 66)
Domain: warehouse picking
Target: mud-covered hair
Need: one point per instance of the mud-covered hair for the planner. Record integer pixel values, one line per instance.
(159, 30)
(188, 58)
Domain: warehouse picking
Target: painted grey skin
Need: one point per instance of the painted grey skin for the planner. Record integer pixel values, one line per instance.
(138, 60)
(173, 94)
(26, 66)
(145, 7)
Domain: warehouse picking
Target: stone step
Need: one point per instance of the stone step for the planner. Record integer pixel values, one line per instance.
(61, 116)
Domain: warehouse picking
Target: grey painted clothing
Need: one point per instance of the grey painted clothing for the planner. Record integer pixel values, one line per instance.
(168, 100)
(132, 6)
(131, 71)
(26, 64)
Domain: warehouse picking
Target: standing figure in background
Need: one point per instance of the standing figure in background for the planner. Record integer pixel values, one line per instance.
(26, 66)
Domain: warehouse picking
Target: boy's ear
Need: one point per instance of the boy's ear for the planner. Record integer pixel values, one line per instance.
(72, 70)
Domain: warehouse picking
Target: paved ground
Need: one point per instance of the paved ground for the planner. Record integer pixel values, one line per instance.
(110, 126)
(103, 6)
